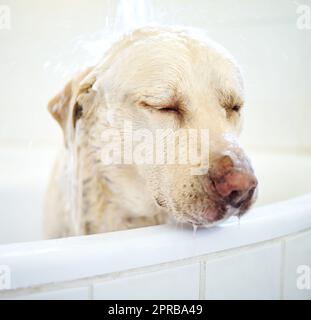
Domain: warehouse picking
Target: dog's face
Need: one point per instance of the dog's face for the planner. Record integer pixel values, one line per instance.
(168, 79)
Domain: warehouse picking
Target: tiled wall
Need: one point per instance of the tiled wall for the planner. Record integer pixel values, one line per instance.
(251, 274)
(260, 271)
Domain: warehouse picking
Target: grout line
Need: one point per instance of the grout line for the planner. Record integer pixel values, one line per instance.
(91, 291)
(282, 273)
(202, 279)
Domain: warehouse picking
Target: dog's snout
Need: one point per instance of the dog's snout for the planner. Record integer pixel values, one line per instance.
(234, 185)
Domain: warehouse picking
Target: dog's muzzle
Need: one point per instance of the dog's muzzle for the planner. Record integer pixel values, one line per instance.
(230, 187)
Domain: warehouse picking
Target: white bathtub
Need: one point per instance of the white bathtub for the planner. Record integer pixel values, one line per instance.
(259, 257)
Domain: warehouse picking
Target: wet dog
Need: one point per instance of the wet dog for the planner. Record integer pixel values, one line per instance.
(155, 78)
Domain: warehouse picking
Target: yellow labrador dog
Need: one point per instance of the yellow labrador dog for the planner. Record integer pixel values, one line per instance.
(164, 78)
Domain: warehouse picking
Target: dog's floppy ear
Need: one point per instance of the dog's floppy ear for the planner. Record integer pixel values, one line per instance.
(60, 104)
(67, 106)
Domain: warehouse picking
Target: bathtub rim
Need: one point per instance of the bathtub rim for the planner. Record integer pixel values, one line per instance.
(31, 263)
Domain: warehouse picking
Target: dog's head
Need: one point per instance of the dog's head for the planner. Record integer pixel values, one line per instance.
(170, 79)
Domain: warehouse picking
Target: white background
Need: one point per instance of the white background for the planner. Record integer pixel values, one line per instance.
(51, 39)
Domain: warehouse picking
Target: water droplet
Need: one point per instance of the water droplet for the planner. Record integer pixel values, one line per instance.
(195, 228)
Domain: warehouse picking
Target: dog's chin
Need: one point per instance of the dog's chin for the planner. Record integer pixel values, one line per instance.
(213, 213)
(216, 211)
(209, 217)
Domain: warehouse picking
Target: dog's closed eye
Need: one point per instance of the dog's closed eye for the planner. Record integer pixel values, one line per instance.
(233, 108)
(236, 108)
(173, 107)
(231, 102)
(170, 108)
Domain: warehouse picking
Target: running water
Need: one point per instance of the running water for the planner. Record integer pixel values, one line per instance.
(195, 229)
(128, 15)
(132, 14)
(239, 222)
(74, 181)
(88, 49)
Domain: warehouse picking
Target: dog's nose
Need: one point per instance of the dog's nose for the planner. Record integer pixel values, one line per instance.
(234, 185)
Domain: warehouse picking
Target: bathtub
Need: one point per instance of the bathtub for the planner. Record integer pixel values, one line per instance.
(262, 256)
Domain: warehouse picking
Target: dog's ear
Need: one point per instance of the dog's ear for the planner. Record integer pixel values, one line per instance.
(59, 106)
(68, 106)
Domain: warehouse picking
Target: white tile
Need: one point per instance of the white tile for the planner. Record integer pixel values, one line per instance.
(250, 274)
(298, 253)
(174, 283)
(63, 294)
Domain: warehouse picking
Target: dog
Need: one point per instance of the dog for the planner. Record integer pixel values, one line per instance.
(166, 78)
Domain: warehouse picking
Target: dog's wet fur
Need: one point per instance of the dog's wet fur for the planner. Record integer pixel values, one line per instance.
(155, 77)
